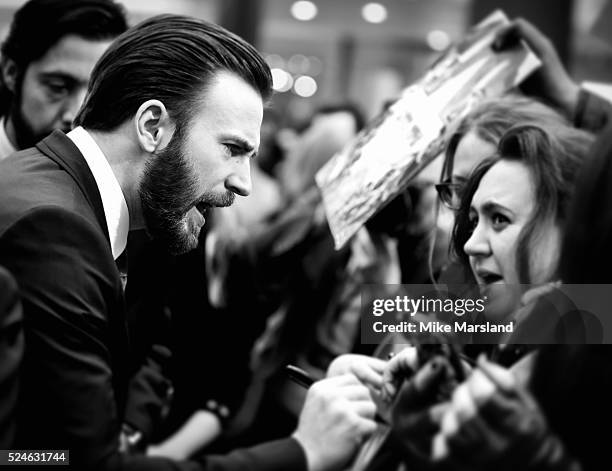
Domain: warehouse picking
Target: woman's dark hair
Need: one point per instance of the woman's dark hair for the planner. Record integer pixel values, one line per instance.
(553, 156)
(39, 24)
(493, 118)
(170, 58)
(587, 248)
(566, 375)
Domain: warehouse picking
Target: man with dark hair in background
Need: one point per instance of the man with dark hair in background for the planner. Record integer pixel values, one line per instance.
(46, 60)
(168, 128)
(47, 57)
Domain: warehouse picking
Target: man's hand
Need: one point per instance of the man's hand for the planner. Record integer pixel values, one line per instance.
(551, 81)
(369, 370)
(337, 417)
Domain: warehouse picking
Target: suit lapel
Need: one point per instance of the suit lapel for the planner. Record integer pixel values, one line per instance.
(59, 148)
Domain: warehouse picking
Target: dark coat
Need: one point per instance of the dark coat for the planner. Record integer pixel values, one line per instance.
(54, 240)
(11, 352)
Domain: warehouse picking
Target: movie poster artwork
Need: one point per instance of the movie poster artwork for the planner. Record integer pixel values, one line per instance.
(383, 158)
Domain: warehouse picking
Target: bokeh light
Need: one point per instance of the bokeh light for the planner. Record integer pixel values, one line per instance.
(305, 86)
(438, 40)
(281, 80)
(374, 12)
(304, 10)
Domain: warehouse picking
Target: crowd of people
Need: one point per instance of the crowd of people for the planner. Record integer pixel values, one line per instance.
(126, 147)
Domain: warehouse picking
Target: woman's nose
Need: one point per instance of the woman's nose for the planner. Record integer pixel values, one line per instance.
(477, 244)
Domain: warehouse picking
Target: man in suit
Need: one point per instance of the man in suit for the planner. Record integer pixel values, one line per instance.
(46, 61)
(47, 57)
(168, 128)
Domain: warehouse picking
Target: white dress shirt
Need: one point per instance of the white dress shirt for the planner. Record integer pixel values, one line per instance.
(113, 201)
(6, 148)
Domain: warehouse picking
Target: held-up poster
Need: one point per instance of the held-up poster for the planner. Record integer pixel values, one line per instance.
(382, 159)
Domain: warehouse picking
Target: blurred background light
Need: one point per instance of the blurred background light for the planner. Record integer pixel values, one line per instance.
(304, 10)
(316, 66)
(275, 61)
(305, 86)
(281, 80)
(438, 40)
(298, 64)
(374, 12)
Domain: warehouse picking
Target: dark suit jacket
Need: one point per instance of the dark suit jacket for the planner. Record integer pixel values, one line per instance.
(54, 240)
(11, 351)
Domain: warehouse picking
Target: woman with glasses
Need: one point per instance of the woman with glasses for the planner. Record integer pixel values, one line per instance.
(509, 223)
(475, 138)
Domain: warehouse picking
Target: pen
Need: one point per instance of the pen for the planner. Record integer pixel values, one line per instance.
(301, 377)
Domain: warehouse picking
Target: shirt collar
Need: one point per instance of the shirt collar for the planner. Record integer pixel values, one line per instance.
(113, 201)
(6, 148)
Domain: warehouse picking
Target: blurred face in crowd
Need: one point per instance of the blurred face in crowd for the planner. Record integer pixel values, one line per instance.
(470, 151)
(500, 209)
(205, 165)
(327, 134)
(50, 91)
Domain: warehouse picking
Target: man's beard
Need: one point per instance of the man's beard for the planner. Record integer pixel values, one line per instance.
(25, 135)
(169, 188)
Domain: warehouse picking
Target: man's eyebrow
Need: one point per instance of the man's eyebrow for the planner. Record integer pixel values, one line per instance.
(60, 76)
(245, 145)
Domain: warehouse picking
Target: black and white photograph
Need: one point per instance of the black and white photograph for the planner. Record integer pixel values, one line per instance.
(305, 235)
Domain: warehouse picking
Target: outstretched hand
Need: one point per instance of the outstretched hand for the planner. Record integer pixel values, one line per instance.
(492, 422)
(418, 405)
(551, 81)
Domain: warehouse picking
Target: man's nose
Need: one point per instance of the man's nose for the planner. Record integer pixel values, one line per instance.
(71, 107)
(239, 181)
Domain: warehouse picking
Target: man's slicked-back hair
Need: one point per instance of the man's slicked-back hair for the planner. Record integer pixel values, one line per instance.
(39, 24)
(170, 58)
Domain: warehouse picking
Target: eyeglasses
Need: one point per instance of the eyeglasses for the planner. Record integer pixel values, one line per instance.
(450, 193)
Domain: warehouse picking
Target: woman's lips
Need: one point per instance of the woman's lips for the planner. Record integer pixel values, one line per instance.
(488, 278)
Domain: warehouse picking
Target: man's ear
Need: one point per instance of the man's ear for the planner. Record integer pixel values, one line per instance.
(9, 73)
(153, 125)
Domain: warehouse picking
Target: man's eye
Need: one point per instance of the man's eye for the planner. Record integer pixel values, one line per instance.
(233, 149)
(57, 88)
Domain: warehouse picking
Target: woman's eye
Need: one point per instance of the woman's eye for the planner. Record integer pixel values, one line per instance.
(499, 221)
(472, 223)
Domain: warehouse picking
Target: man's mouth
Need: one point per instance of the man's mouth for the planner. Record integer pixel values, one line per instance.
(202, 208)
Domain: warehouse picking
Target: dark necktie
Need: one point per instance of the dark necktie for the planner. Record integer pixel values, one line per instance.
(122, 266)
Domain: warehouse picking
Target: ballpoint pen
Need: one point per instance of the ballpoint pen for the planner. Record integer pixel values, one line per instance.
(301, 377)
